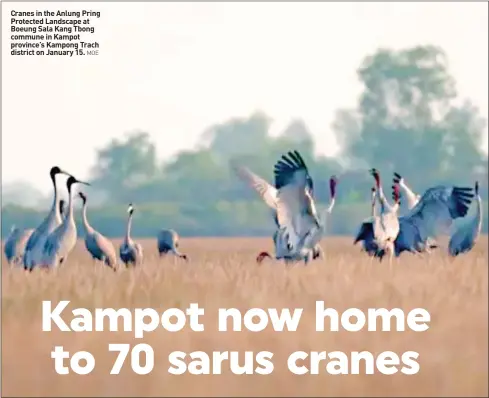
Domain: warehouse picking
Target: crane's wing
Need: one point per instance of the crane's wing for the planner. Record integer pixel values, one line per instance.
(296, 211)
(51, 245)
(266, 191)
(364, 232)
(125, 249)
(438, 207)
(411, 198)
(461, 241)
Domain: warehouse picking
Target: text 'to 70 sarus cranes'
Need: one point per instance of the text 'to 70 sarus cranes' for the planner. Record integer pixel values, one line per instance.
(464, 238)
(386, 225)
(296, 209)
(168, 242)
(35, 244)
(62, 240)
(15, 244)
(130, 252)
(365, 233)
(99, 247)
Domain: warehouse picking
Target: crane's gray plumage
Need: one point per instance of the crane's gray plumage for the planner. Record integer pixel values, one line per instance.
(99, 247)
(62, 240)
(432, 216)
(269, 195)
(296, 209)
(35, 244)
(386, 225)
(15, 244)
(168, 242)
(365, 233)
(465, 237)
(412, 200)
(130, 252)
(62, 209)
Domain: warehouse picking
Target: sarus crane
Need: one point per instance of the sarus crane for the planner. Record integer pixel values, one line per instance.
(465, 237)
(412, 199)
(268, 193)
(62, 240)
(99, 247)
(296, 209)
(386, 225)
(280, 237)
(35, 245)
(168, 242)
(365, 233)
(130, 252)
(15, 244)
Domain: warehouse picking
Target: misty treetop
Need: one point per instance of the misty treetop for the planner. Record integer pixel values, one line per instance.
(408, 119)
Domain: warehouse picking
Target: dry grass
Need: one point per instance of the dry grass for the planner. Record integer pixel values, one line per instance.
(222, 273)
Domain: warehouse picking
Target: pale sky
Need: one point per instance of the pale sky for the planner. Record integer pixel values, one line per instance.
(173, 69)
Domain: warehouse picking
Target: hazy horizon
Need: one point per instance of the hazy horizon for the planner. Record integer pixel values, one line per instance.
(175, 69)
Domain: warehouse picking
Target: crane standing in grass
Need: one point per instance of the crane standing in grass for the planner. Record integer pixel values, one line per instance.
(97, 245)
(168, 241)
(465, 237)
(15, 244)
(386, 226)
(17, 240)
(366, 233)
(268, 193)
(280, 237)
(296, 209)
(412, 200)
(62, 240)
(131, 252)
(35, 244)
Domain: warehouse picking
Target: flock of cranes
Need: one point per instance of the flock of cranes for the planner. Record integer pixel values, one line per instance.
(49, 245)
(299, 226)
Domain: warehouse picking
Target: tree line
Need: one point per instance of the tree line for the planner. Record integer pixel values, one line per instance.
(408, 119)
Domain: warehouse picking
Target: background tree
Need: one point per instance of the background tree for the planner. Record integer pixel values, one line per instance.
(408, 118)
(124, 164)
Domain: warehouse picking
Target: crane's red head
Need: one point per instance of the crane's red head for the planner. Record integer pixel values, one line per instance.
(373, 191)
(261, 256)
(333, 181)
(477, 187)
(376, 175)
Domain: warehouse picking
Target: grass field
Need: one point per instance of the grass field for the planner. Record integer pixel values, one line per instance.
(222, 273)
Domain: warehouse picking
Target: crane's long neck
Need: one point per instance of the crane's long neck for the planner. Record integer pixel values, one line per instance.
(88, 228)
(384, 205)
(373, 212)
(69, 215)
(176, 251)
(55, 205)
(411, 197)
(128, 228)
(479, 214)
(332, 201)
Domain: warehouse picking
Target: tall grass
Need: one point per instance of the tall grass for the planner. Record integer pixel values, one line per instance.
(222, 273)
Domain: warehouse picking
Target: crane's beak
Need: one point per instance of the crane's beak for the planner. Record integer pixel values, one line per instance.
(83, 182)
(61, 171)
